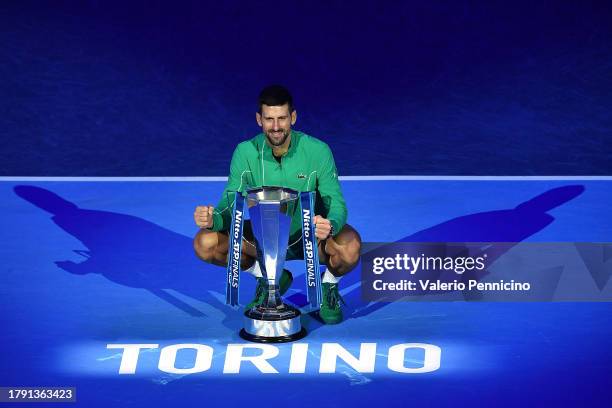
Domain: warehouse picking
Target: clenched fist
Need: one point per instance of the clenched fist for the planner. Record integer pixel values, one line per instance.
(322, 227)
(203, 216)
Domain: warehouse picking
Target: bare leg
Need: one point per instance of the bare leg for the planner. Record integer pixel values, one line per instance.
(212, 247)
(341, 253)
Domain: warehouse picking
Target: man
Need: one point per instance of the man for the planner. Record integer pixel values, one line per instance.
(281, 156)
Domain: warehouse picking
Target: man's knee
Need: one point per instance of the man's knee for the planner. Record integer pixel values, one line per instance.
(351, 247)
(347, 246)
(352, 253)
(205, 244)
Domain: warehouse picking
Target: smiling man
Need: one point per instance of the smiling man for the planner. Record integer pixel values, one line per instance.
(281, 156)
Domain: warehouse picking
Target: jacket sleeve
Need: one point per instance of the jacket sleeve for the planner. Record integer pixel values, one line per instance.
(329, 189)
(237, 181)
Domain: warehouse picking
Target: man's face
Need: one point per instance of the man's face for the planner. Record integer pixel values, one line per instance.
(276, 122)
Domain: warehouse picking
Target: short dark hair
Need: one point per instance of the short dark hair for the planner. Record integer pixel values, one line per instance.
(275, 95)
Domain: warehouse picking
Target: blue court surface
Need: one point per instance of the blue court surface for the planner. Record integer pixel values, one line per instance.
(86, 264)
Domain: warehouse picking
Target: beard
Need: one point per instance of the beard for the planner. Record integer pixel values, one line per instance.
(277, 142)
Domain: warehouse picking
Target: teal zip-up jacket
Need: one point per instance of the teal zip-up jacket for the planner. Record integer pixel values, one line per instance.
(308, 165)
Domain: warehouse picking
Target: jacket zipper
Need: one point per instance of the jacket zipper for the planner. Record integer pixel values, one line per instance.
(283, 178)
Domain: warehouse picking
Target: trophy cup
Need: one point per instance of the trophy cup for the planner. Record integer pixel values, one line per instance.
(270, 210)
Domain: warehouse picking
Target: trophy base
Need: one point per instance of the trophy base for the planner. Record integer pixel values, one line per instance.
(272, 326)
(279, 339)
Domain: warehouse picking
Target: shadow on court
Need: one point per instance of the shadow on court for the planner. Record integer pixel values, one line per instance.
(509, 225)
(131, 251)
(136, 253)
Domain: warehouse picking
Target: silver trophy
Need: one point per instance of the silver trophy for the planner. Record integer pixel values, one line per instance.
(270, 210)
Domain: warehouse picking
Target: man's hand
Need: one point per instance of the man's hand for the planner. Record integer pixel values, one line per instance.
(203, 216)
(322, 227)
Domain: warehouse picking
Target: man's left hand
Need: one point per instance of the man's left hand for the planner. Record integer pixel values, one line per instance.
(323, 227)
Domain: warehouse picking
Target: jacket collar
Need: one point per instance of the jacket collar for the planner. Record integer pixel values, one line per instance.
(267, 150)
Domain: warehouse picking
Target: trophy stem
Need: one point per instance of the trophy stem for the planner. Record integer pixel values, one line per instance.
(273, 300)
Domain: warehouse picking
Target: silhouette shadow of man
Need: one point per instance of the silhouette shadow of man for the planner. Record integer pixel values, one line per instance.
(133, 252)
(501, 226)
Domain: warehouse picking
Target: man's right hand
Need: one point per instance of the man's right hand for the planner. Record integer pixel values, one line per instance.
(203, 216)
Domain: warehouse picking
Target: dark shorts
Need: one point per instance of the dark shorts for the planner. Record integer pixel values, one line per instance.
(295, 249)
